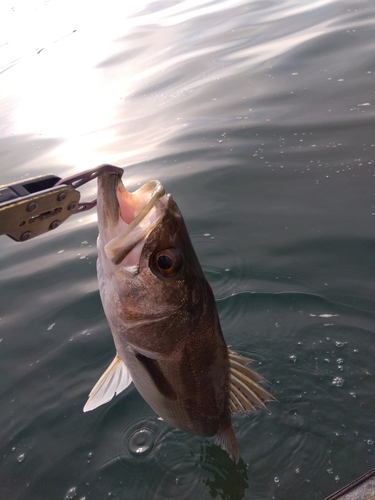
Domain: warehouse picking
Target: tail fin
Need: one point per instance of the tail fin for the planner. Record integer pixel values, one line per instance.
(227, 440)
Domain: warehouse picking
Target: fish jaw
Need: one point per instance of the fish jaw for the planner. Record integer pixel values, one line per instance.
(125, 219)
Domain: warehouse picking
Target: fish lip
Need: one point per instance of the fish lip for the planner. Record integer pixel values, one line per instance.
(107, 202)
(142, 209)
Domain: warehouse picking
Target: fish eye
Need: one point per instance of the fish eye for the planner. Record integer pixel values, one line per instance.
(167, 263)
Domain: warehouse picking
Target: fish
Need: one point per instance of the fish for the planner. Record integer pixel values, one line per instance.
(163, 317)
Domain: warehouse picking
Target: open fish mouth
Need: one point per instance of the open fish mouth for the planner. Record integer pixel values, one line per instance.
(125, 219)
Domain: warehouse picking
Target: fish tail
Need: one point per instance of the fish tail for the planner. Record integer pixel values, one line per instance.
(227, 440)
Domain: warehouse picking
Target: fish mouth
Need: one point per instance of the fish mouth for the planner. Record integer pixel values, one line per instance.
(125, 219)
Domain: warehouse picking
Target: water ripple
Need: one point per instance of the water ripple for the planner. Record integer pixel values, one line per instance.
(150, 448)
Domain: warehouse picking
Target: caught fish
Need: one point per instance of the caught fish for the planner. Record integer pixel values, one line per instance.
(164, 320)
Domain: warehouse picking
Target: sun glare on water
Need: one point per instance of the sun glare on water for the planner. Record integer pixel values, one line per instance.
(51, 87)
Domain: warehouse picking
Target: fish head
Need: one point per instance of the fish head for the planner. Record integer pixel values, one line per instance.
(148, 271)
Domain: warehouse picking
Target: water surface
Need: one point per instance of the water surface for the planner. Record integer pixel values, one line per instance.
(259, 118)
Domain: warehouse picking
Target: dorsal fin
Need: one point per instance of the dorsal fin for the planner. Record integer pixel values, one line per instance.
(245, 393)
(114, 380)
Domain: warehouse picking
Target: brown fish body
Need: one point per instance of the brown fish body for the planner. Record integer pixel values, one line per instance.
(164, 320)
(169, 335)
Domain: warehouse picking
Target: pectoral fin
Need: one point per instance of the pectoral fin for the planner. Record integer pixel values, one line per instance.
(245, 391)
(114, 380)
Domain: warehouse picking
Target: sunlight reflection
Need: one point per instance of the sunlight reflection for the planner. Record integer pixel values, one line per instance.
(49, 78)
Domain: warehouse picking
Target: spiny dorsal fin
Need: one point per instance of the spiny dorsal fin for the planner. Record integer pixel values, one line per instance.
(245, 391)
(114, 380)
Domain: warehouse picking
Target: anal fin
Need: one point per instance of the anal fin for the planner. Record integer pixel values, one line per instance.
(114, 380)
(245, 391)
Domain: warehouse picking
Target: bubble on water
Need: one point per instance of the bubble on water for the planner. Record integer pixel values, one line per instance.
(276, 479)
(90, 454)
(330, 471)
(293, 358)
(370, 442)
(51, 326)
(339, 361)
(340, 345)
(337, 478)
(21, 458)
(297, 471)
(353, 394)
(71, 493)
(141, 442)
(338, 381)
